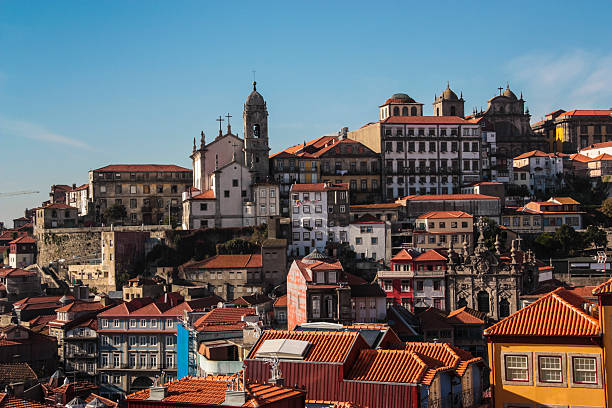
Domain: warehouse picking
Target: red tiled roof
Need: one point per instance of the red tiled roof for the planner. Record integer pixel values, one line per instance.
(142, 167)
(40, 299)
(211, 391)
(542, 317)
(228, 262)
(445, 214)
(16, 372)
(375, 206)
(224, 319)
(9, 401)
(126, 309)
(433, 197)
(417, 363)
(59, 206)
(603, 289)
(302, 150)
(403, 255)
(281, 301)
(15, 272)
(326, 346)
(319, 187)
(75, 387)
(588, 112)
(24, 239)
(81, 306)
(333, 404)
(597, 146)
(466, 315)
(431, 255)
(487, 183)
(367, 219)
(206, 195)
(327, 265)
(443, 120)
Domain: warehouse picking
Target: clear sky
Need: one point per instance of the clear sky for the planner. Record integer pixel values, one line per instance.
(89, 83)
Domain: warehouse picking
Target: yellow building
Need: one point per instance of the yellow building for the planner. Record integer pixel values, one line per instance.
(551, 354)
(436, 229)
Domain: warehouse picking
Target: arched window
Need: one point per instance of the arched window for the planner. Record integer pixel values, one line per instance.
(437, 111)
(483, 302)
(413, 111)
(256, 130)
(461, 303)
(453, 111)
(404, 111)
(396, 111)
(504, 308)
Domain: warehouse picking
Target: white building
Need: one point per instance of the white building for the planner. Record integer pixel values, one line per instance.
(370, 238)
(423, 154)
(539, 171)
(78, 197)
(319, 213)
(597, 149)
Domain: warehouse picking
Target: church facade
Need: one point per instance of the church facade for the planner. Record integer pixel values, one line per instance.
(483, 280)
(230, 175)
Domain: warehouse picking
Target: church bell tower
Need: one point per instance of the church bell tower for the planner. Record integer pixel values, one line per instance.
(256, 147)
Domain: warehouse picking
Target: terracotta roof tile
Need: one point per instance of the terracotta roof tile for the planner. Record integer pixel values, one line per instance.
(25, 239)
(542, 317)
(250, 300)
(403, 255)
(444, 214)
(81, 306)
(588, 112)
(16, 372)
(227, 262)
(603, 289)
(435, 197)
(326, 346)
(14, 272)
(224, 319)
(281, 301)
(466, 315)
(211, 390)
(106, 401)
(59, 206)
(389, 366)
(9, 401)
(597, 146)
(375, 206)
(319, 187)
(432, 255)
(206, 195)
(143, 167)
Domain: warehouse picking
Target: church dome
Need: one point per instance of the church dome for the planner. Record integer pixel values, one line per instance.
(402, 97)
(449, 95)
(255, 98)
(508, 93)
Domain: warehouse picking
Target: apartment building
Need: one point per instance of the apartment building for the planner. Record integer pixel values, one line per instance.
(56, 215)
(436, 229)
(149, 192)
(22, 252)
(539, 171)
(319, 213)
(570, 131)
(137, 342)
(422, 154)
(331, 159)
(78, 197)
(370, 238)
(536, 217)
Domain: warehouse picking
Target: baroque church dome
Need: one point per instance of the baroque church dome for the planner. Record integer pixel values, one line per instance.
(508, 93)
(449, 95)
(255, 98)
(402, 97)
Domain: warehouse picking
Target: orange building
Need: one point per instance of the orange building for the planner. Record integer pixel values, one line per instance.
(552, 353)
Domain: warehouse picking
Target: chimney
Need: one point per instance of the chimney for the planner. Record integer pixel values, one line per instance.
(158, 393)
(234, 395)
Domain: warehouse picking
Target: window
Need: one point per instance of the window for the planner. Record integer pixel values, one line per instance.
(342, 209)
(374, 241)
(388, 285)
(306, 236)
(306, 209)
(132, 340)
(517, 367)
(550, 369)
(318, 222)
(318, 209)
(358, 241)
(104, 360)
(116, 340)
(153, 341)
(153, 360)
(419, 285)
(203, 207)
(226, 193)
(584, 370)
(104, 323)
(296, 236)
(143, 340)
(436, 285)
(235, 184)
(405, 286)
(169, 323)
(143, 322)
(116, 360)
(132, 189)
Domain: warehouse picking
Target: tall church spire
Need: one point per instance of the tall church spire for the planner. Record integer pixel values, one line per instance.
(256, 147)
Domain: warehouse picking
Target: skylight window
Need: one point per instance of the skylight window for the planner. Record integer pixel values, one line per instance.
(283, 349)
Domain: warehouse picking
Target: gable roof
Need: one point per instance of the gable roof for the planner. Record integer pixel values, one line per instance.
(603, 289)
(403, 255)
(319, 187)
(325, 346)
(588, 112)
(432, 255)
(281, 301)
(367, 219)
(24, 239)
(15, 272)
(205, 195)
(466, 315)
(81, 306)
(543, 317)
(10, 401)
(16, 372)
(224, 319)
(249, 300)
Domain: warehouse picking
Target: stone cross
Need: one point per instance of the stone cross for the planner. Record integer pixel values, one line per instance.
(500, 89)
(220, 119)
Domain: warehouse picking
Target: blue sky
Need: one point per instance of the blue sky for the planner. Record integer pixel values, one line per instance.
(84, 84)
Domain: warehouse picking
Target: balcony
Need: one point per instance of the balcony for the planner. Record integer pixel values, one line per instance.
(395, 274)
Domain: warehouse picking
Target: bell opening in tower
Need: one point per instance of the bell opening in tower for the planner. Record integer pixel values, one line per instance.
(255, 130)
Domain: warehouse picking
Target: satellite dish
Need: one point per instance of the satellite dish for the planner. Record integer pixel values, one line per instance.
(220, 304)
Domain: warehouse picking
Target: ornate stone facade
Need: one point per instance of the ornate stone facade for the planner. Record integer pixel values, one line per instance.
(485, 281)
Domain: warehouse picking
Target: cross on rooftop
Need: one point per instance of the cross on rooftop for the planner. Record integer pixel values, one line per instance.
(500, 89)
(220, 119)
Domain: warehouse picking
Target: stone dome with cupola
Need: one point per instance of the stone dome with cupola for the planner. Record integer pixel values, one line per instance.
(400, 104)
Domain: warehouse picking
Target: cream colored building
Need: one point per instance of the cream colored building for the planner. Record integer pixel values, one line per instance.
(57, 215)
(437, 229)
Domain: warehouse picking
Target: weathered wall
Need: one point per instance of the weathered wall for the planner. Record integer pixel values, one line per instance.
(73, 243)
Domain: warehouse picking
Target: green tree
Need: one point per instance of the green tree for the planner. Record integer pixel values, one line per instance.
(237, 246)
(595, 236)
(547, 246)
(606, 207)
(115, 212)
(570, 241)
